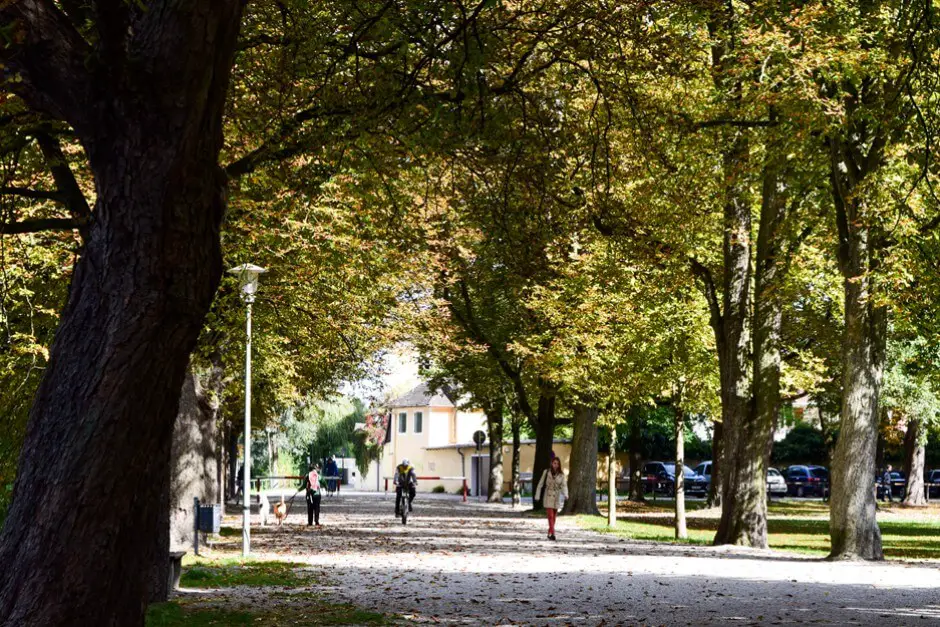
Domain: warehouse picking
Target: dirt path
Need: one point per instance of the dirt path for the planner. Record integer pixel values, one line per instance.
(487, 565)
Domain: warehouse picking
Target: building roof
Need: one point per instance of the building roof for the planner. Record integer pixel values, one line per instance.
(421, 396)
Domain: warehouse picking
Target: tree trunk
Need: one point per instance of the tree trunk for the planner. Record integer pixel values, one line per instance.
(852, 526)
(544, 439)
(914, 453)
(744, 503)
(79, 550)
(714, 487)
(516, 472)
(733, 339)
(193, 463)
(233, 435)
(612, 479)
(494, 428)
(582, 474)
(681, 531)
(636, 459)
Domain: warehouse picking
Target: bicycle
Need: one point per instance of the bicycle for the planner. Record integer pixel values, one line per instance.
(402, 506)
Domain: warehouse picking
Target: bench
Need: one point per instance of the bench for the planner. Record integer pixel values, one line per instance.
(176, 568)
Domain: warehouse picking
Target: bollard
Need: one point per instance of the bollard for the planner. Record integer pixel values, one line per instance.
(464, 490)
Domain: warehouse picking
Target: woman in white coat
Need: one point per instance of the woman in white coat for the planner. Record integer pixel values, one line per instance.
(556, 487)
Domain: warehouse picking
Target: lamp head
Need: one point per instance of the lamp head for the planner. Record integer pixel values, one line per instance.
(248, 276)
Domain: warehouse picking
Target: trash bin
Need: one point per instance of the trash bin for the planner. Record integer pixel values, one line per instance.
(210, 518)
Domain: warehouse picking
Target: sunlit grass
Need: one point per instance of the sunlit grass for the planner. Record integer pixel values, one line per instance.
(799, 526)
(230, 571)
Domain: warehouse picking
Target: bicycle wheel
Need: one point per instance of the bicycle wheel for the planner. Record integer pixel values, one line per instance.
(404, 510)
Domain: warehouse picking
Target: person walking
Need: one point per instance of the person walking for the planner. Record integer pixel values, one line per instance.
(553, 481)
(886, 485)
(314, 483)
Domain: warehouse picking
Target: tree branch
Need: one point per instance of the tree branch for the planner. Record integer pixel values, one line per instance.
(41, 224)
(71, 194)
(35, 194)
(49, 58)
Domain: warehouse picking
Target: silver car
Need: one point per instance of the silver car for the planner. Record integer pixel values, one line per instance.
(776, 484)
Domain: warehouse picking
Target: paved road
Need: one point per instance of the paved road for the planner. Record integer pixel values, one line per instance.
(482, 564)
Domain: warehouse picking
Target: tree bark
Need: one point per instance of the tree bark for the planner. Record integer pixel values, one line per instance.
(515, 426)
(232, 455)
(582, 474)
(494, 427)
(852, 525)
(914, 453)
(636, 459)
(193, 463)
(714, 487)
(612, 479)
(79, 550)
(744, 506)
(544, 439)
(733, 339)
(681, 531)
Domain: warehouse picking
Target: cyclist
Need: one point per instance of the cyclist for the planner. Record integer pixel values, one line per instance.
(405, 478)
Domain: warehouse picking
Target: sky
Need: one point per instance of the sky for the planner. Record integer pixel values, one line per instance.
(399, 375)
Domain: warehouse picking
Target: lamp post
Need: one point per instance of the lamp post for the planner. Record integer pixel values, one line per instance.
(248, 275)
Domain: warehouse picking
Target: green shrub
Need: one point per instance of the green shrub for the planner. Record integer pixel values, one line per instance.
(439, 489)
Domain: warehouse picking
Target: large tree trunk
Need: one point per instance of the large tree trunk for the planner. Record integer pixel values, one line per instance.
(79, 550)
(515, 426)
(733, 339)
(714, 487)
(494, 427)
(852, 526)
(582, 474)
(612, 479)
(744, 506)
(914, 453)
(681, 531)
(636, 459)
(193, 463)
(544, 439)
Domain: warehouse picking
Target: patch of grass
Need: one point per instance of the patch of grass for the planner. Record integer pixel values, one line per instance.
(229, 572)
(900, 539)
(438, 489)
(308, 613)
(174, 615)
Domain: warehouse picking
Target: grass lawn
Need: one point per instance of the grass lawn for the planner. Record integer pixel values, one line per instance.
(294, 601)
(800, 526)
(230, 572)
(176, 614)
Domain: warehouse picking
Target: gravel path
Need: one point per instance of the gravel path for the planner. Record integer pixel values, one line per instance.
(482, 564)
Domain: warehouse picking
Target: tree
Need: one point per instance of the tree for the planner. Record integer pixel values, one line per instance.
(152, 102)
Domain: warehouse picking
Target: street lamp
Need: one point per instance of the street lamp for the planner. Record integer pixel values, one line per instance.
(248, 276)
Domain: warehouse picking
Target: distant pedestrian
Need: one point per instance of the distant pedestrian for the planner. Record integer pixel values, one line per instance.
(556, 487)
(239, 481)
(331, 470)
(886, 485)
(314, 483)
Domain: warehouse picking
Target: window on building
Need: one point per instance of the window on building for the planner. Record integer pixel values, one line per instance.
(419, 421)
(402, 422)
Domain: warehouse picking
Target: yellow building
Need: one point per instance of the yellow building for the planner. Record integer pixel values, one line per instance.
(437, 438)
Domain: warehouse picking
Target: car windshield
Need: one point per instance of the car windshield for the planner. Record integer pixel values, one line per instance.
(773, 472)
(671, 469)
(819, 473)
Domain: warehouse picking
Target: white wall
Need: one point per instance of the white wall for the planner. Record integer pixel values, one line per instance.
(468, 423)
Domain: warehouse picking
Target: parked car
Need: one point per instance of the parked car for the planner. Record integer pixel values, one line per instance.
(807, 481)
(776, 484)
(705, 470)
(933, 477)
(661, 477)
